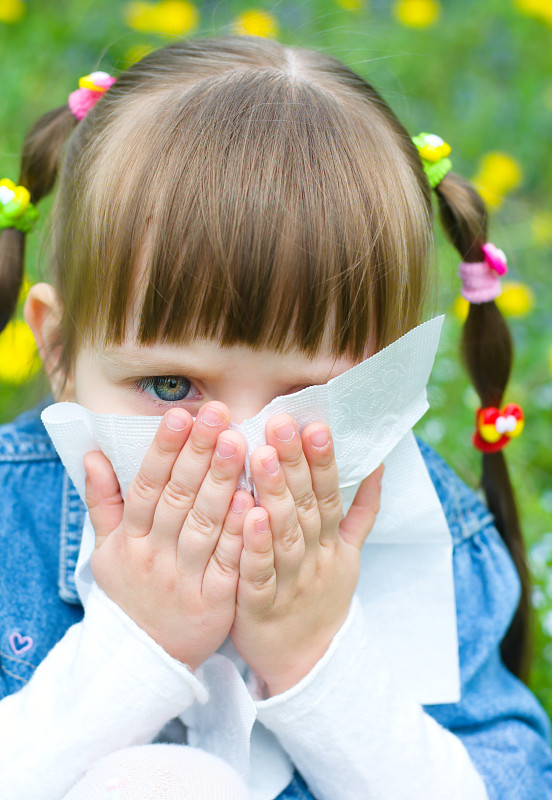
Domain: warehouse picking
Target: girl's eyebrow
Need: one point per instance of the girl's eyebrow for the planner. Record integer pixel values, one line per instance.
(148, 361)
(195, 366)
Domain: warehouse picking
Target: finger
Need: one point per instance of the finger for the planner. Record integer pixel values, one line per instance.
(361, 516)
(103, 495)
(204, 522)
(319, 452)
(282, 434)
(145, 490)
(188, 472)
(223, 569)
(257, 583)
(274, 496)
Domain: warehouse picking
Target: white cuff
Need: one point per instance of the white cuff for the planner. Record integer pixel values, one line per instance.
(353, 732)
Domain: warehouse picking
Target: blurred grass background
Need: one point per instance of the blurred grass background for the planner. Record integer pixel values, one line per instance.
(478, 74)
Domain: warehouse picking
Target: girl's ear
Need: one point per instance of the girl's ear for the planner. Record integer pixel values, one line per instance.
(43, 313)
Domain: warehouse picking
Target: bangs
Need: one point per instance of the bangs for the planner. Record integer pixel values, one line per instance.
(249, 207)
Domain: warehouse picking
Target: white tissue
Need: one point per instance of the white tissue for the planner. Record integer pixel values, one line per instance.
(406, 581)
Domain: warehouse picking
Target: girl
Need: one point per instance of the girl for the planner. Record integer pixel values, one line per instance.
(236, 219)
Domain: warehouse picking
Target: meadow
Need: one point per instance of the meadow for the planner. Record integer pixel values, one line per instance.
(478, 74)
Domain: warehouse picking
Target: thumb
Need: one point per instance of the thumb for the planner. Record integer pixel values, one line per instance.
(361, 516)
(103, 495)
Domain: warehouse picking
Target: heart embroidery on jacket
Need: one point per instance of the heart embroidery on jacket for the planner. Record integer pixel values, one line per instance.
(20, 644)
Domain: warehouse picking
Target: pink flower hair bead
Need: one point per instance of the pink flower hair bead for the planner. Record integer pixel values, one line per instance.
(91, 88)
(495, 258)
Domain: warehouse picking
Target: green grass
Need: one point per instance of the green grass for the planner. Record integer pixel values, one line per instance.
(482, 79)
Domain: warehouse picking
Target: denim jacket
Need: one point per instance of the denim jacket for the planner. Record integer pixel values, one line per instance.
(500, 722)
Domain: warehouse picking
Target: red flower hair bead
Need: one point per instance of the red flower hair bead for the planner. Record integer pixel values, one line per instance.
(495, 427)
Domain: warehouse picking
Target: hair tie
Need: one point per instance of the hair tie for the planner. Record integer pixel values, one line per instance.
(494, 427)
(481, 279)
(91, 88)
(433, 152)
(16, 209)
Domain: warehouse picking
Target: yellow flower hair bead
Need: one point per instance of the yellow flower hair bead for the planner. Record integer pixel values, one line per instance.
(433, 152)
(16, 209)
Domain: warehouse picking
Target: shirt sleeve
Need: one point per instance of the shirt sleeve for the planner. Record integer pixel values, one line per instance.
(105, 685)
(352, 733)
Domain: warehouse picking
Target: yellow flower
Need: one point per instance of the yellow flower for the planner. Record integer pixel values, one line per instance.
(541, 9)
(431, 147)
(18, 354)
(541, 227)
(12, 10)
(170, 17)
(497, 175)
(460, 308)
(515, 300)
(417, 13)
(351, 5)
(256, 23)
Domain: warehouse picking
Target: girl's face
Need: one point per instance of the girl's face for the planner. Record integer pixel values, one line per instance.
(132, 379)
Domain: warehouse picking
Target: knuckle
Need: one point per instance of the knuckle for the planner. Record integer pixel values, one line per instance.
(325, 468)
(224, 564)
(294, 460)
(292, 538)
(307, 503)
(264, 578)
(280, 491)
(178, 497)
(331, 502)
(220, 478)
(200, 447)
(164, 447)
(143, 487)
(200, 521)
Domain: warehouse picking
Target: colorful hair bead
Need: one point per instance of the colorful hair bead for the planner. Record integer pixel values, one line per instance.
(91, 88)
(433, 152)
(481, 279)
(495, 258)
(16, 209)
(495, 427)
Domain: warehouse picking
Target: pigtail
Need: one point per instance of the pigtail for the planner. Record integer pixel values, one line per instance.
(487, 352)
(39, 166)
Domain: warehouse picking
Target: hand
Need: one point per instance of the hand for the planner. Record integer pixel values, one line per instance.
(301, 561)
(169, 554)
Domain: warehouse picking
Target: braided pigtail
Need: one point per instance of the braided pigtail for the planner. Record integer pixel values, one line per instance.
(39, 166)
(487, 353)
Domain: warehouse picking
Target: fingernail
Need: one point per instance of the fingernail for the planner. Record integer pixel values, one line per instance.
(261, 525)
(175, 421)
(239, 504)
(320, 437)
(211, 417)
(285, 432)
(271, 464)
(226, 449)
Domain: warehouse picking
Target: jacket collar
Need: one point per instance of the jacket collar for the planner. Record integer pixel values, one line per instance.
(73, 512)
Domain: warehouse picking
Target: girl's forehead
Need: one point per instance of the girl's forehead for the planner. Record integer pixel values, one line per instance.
(207, 358)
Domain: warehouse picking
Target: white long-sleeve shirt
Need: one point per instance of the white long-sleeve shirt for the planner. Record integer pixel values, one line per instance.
(347, 727)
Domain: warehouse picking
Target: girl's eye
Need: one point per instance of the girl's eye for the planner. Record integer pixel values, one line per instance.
(170, 389)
